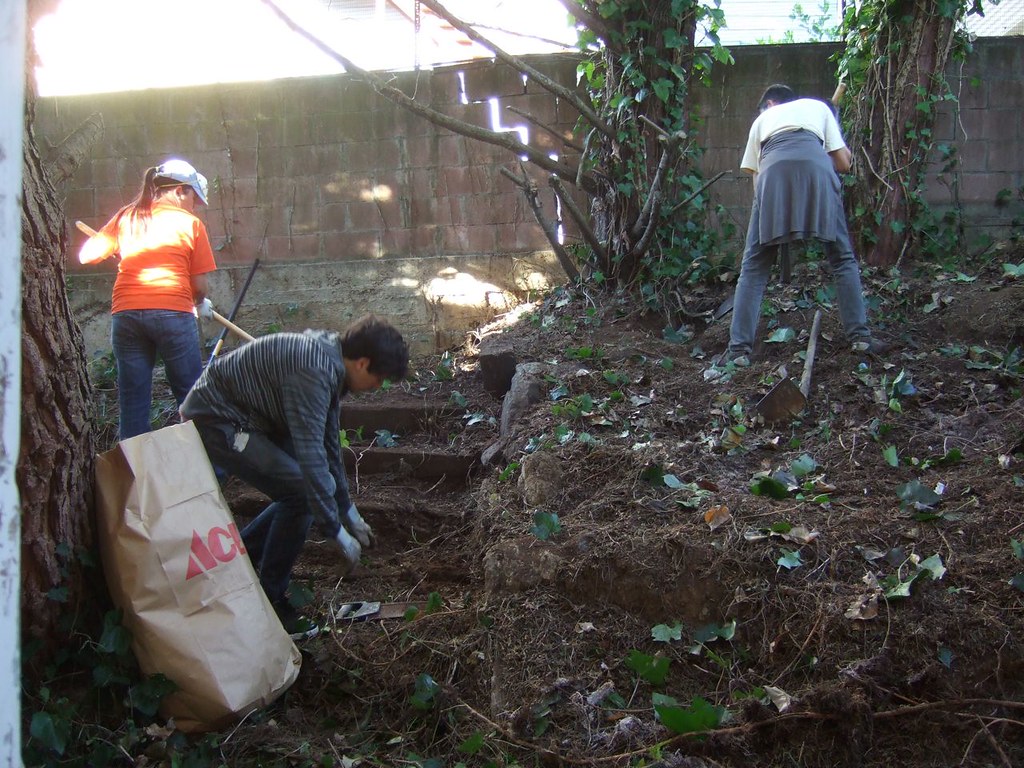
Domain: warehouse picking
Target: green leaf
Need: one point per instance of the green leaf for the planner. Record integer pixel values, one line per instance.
(663, 633)
(790, 559)
(933, 566)
(913, 494)
(1013, 270)
(545, 525)
(780, 335)
(770, 487)
(945, 656)
(459, 399)
(424, 693)
(473, 744)
(51, 733)
(803, 466)
(890, 455)
(1017, 582)
(653, 669)
(434, 603)
(899, 589)
(1018, 549)
(673, 482)
(701, 716)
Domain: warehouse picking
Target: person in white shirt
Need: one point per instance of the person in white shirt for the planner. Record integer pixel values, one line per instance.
(794, 150)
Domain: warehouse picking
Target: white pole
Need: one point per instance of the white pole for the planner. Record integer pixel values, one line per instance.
(12, 110)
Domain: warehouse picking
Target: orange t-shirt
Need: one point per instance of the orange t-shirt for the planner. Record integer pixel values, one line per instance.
(158, 259)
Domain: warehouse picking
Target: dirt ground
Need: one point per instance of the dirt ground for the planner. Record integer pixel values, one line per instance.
(648, 574)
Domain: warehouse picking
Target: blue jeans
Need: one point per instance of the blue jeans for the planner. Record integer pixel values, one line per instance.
(757, 267)
(275, 538)
(138, 337)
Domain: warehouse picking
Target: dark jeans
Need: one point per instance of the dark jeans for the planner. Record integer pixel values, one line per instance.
(275, 538)
(138, 337)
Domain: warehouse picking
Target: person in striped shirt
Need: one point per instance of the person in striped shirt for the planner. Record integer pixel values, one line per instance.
(269, 414)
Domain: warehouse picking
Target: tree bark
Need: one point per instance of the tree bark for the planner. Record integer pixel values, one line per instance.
(55, 464)
(893, 115)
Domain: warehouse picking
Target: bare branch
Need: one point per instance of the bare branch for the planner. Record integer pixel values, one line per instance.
(70, 153)
(677, 206)
(580, 220)
(506, 140)
(671, 142)
(530, 192)
(547, 129)
(543, 80)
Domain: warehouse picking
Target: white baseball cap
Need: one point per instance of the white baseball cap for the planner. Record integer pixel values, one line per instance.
(182, 172)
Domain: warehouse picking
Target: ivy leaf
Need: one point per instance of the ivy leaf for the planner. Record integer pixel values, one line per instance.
(803, 466)
(933, 566)
(545, 525)
(653, 669)
(891, 456)
(663, 633)
(770, 487)
(473, 744)
(701, 716)
(51, 733)
(780, 335)
(1018, 549)
(790, 559)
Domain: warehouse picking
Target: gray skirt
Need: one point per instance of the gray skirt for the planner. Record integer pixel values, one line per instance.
(798, 193)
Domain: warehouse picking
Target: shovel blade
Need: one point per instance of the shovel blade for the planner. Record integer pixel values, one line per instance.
(783, 401)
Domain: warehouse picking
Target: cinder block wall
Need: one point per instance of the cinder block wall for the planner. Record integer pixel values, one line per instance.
(353, 204)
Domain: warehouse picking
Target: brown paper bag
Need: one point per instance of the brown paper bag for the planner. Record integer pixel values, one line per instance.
(176, 566)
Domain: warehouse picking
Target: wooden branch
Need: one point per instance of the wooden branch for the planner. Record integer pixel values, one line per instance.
(547, 129)
(577, 216)
(72, 151)
(530, 192)
(672, 142)
(506, 140)
(677, 206)
(543, 80)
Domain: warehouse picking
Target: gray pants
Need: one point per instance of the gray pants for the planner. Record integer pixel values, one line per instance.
(756, 269)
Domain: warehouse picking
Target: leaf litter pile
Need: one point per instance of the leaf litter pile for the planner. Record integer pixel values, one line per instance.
(646, 573)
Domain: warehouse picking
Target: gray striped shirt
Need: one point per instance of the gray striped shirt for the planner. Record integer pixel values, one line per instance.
(287, 386)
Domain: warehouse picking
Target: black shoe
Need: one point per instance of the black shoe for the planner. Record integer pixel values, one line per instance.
(298, 627)
(870, 346)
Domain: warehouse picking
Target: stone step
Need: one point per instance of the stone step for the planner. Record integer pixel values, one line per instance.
(416, 463)
(400, 417)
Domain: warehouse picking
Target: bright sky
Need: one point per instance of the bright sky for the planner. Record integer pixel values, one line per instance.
(91, 46)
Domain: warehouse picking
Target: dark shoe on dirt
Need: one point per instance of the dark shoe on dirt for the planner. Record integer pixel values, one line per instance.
(298, 627)
(736, 359)
(870, 346)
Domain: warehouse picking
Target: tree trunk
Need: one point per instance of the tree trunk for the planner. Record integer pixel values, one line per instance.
(893, 115)
(55, 465)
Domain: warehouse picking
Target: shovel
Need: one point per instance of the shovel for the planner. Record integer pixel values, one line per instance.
(785, 400)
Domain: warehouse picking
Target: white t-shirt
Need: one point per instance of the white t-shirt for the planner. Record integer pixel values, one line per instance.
(809, 114)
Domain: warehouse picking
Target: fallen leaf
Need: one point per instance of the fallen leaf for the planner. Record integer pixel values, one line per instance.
(717, 516)
(584, 626)
(779, 697)
(863, 608)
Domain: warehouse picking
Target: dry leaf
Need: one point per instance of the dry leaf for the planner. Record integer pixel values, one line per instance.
(779, 697)
(863, 608)
(584, 626)
(717, 516)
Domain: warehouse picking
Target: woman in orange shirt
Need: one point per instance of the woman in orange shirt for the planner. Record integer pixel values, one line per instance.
(165, 260)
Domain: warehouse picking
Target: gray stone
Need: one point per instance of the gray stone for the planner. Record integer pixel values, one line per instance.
(527, 389)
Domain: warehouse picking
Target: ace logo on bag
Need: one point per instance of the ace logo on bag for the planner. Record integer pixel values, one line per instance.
(176, 565)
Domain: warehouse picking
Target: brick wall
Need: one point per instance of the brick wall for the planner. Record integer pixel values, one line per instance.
(352, 203)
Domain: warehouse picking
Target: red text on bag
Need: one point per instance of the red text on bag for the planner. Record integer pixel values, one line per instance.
(220, 545)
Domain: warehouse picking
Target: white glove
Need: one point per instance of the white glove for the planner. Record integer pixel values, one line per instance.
(353, 521)
(205, 309)
(348, 548)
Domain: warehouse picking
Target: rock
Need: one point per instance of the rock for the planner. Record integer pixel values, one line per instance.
(497, 364)
(516, 566)
(527, 388)
(540, 478)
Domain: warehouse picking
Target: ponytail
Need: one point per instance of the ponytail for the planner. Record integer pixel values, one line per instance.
(140, 209)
